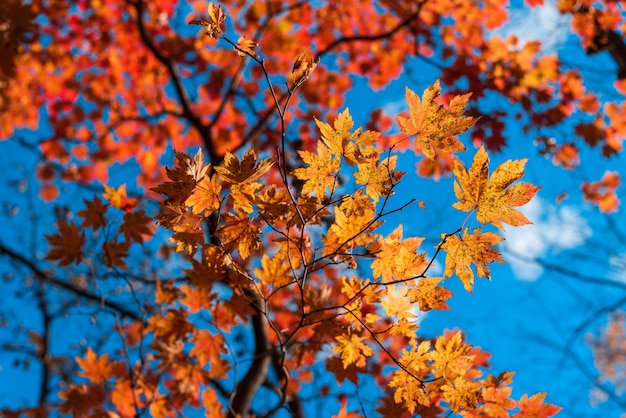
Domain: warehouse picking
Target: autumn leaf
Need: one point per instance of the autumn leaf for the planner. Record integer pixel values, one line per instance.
(115, 253)
(247, 171)
(239, 232)
(602, 193)
(471, 248)
(534, 407)
(378, 178)
(352, 350)
(434, 125)
(321, 173)
(274, 271)
(245, 47)
(94, 216)
(303, 66)
(212, 27)
(429, 295)
(118, 198)
(136, 226)
(492, 197)
(196, 167)
(67, 245)
(96, 369)
(396, 302)
(205, 198)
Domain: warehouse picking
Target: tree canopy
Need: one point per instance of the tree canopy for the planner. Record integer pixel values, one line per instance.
(229, 227)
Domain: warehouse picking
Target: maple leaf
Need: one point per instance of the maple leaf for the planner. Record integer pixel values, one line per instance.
(239, 232)
(275, 271)
(321, 173)
(118, 199)
(211, 403)
(396, 302)
(378, 178)
(182, 181)
(245, 47)
(212, 28)
(94, 215)
(461, 394)
(338, 138)
(471, 248)
(492, 197)
(429, 295)
(136, 225)
(82, 400)
(335, 366)
(195, 298)
(449, 358)
(196, 168)
(205, 198)
(602, 192)
(114, 253)
(352, 350)
(534, 407)
(96, 369)
(208, 348)
(434, 126)
(303, 66)
(211, 269)
(187, 238)
(246, 171)
(397, 258)
(68, 244)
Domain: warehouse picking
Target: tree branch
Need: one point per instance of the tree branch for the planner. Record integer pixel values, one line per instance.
(44, 277)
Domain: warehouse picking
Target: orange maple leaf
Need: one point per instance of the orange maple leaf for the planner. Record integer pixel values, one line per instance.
(602, 192)
(205, 198)
(303, 66)
(492, 197)
(68, 244)
(118, 199)
(96, 369)
(245, 47)
(534, 407)
(474, 248)
(435, 126)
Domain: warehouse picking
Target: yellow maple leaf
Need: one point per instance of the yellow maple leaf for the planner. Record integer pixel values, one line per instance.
(352, 350)
(471, 248)
(396, 302)
(378, 178)
(492, 197)
(321, 173)
(429, 295)
(434, 125)
(397, 258)
(274, 271)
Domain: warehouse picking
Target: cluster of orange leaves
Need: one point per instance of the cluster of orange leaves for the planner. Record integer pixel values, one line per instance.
(301, 250)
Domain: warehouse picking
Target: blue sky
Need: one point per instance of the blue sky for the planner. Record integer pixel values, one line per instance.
(532, 319)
